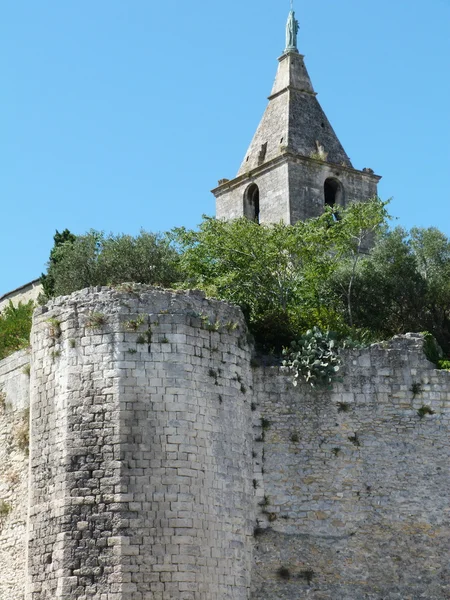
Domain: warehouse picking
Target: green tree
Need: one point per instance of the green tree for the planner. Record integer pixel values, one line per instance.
(47, 280)
(15, 327)
(358, 227)
(97, 259)
(279, 273)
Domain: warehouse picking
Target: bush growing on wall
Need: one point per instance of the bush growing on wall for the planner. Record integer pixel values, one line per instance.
(15, 327)
(99, 259)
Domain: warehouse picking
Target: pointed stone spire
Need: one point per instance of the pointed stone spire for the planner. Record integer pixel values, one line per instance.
(295, 163)
(293, 119)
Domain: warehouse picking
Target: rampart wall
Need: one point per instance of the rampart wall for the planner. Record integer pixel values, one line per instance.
(164, 464)
(14, 403)
(356, 485)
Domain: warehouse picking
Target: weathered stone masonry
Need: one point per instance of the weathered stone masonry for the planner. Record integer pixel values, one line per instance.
(141, 449)
(165, 465)
(14, 403)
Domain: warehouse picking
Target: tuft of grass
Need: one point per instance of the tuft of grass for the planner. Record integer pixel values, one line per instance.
(72, 343)
(132, 350)
(2, 400)
(416, 389)
(27, 369)
(243, 389)
(265, 501)
(354, 439)
(5, 508)
(425, 410)
(336, 451)
(231, 326)
(265, 424)
(55, 354)
(134, 324)
(255, 484)
(22, 433)
(96, 320)
(253, 406)
(294, 437)
(212, 373)
(164, 340)
(308, 575)
(343, 407)
(54, 329)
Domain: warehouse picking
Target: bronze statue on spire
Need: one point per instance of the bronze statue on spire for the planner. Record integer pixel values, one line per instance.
(292, 28)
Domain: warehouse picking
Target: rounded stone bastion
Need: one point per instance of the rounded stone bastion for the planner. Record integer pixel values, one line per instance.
(141, 448)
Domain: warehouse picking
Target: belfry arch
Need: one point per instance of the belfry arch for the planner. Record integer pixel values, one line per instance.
(333, 191)
(251, 203)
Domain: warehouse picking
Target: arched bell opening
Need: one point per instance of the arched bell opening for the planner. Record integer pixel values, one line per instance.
(251, 203)
(333, 192)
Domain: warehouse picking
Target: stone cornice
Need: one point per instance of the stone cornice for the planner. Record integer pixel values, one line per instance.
(286, 156)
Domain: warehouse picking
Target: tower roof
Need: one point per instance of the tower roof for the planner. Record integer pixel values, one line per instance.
(293, 118)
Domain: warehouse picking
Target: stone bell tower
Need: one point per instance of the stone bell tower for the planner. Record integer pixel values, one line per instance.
(295, 164)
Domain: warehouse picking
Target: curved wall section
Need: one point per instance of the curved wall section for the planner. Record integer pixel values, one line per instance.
(141, 449)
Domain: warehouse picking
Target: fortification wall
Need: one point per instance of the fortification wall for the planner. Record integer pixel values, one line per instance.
(14, 402)
(141, 448)
(356, 484)
(163, 466)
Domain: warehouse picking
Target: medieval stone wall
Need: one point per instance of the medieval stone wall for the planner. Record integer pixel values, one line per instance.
(14, 402)
(166, 465)
(354, 498)
(141, 454)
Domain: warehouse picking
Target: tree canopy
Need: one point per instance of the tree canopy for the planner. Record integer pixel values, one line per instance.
(346, 272)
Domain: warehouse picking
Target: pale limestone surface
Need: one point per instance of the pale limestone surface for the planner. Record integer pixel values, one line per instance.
(14, 401)
(356, 483)
(152, 477)
(141, 449)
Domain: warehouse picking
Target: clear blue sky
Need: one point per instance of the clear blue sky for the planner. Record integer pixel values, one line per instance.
(122, 114)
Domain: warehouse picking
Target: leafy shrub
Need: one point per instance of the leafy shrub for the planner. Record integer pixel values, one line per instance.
(98, 259)
(15, 327)
(314, 358)
(431, 348)
(444, 364)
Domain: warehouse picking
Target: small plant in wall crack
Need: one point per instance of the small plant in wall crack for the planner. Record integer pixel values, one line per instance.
(22, 433)
(425, 410)
(265, 424)
(96, 320)
(54, 329)
(5, 509)
(308, 575)
(2, 400)
(354, 439)
(416, 389)
(134, 324)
